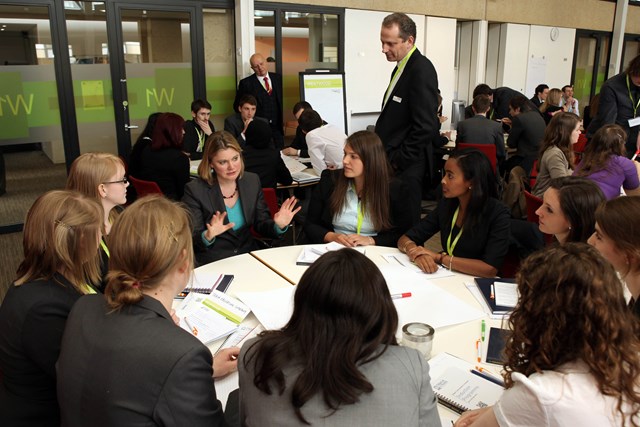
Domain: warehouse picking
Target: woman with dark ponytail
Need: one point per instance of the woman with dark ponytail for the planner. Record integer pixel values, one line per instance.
(123, 360)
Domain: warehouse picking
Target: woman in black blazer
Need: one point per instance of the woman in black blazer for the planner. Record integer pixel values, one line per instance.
(123, 361)
(61, 238)
(225, 202)
(360, 204)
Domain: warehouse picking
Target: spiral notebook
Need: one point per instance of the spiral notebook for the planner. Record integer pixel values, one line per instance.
(460, 390)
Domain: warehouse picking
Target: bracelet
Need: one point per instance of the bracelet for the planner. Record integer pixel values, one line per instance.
(450, 262)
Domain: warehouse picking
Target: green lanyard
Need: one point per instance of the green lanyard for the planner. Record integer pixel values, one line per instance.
(399, 69)
(105, 248)
(635, 107)
(451, 247)
(360, 217)
(200, 141)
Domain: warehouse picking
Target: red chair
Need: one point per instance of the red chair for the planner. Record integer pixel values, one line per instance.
(579, 147)
(271, 200)
(533, 204)
(144, 188)
(488, 150)
(533, 176)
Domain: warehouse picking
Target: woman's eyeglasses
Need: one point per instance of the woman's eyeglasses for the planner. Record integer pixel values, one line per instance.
(124, 181)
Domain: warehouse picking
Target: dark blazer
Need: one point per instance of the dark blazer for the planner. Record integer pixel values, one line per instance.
(536, 101)
(133, 367)
(320, 221)
(203, 200)
(267, 164)
(234, 125)
(409, 119)
(616, 108)
(480, 130)
(269, 106)
(169, 167)
(191, 138)
(527, 132)
(32, 320)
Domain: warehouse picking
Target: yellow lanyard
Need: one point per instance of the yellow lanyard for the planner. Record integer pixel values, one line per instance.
(200, 140)
(360, 217)
(637, 104)
(451, 247)
(105, 248)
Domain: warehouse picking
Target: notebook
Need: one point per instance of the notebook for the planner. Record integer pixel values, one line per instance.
(460, 390)
(484, 285)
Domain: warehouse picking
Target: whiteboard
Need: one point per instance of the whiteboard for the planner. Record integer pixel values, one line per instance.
(326, 94)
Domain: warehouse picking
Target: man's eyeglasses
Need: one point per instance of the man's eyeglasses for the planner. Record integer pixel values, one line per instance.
(124, 181)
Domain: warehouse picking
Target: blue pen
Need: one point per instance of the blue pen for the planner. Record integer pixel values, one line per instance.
(488, 377)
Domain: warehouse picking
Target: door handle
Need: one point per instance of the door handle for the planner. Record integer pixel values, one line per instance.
(127, 127)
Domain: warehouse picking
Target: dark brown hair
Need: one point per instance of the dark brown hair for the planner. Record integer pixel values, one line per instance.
(168, 131)
(343, 317)
(375, 197)
(634, 67)
(149, 239)
(579, 198)
(608, 141)
(618, 220)
(558, 134)
(481, 104)
(571, 308)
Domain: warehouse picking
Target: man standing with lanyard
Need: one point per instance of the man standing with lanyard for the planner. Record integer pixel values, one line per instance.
(409, 108)
(620, 104)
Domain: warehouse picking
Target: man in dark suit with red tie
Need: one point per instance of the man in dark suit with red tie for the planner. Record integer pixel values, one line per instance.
(409, 108)
(267, 89)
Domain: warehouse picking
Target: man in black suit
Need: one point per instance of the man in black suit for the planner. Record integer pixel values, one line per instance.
(527, 132)
(197, 131)
(500, 98)
(267, 89)
(542, 91)
(236, 124)
(480, 130)
(409, 118)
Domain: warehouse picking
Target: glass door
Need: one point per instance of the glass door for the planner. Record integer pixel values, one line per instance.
(153, 71)
(591, 56)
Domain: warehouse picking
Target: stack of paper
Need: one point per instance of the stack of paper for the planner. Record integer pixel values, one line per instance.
(211, 317)
(304, 177)
(292, 164)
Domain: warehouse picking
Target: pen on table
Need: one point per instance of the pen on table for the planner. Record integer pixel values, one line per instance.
(193, 329)
(483, 329)
(402, 295)
(479, 351)
(493, 295)
(488, 377)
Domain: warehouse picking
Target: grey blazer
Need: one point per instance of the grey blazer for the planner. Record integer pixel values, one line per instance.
(203, 200)
(133, 367)
(480, 130)
(402, 395)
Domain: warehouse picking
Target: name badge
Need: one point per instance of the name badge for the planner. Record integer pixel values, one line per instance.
(634, 122)
(397, 99)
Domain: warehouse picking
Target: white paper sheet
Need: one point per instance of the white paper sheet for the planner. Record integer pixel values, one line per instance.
(272, 308)
(471, 287)
(403, 260)
(506, 294)
(428, 303)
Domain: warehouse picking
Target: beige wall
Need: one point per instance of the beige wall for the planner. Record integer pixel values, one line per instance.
(554, 13)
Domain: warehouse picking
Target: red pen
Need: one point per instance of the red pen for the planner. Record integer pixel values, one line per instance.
(402, 295)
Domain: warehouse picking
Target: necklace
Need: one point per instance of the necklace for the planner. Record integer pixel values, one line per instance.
(232, 195)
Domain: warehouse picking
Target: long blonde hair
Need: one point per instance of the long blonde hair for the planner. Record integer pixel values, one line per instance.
(150, 238)
(61, 235)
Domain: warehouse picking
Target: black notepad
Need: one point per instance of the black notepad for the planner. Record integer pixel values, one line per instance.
(495, 349)
(484, 285)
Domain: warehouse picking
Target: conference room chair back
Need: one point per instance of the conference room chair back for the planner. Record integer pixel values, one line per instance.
(533, 176)
(271, 200)
(533, 203)
(144, 188)
(579, 147)
(488, 150)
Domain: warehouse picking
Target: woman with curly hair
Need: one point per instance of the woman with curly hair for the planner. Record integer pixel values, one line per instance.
(573, 357)
(604, 162)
